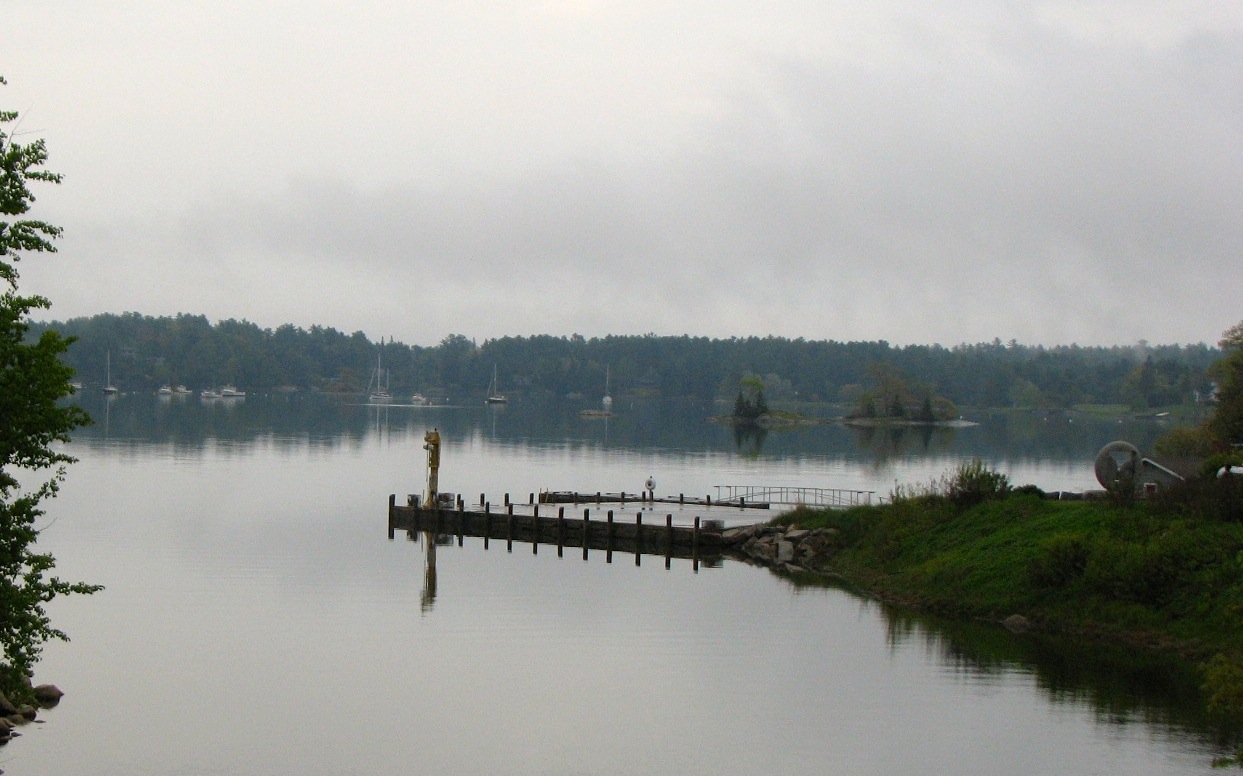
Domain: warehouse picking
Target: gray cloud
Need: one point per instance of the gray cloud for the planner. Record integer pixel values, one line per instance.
(1049, 173)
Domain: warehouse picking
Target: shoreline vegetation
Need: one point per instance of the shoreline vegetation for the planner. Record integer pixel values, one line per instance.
(1164, 573)
(788, 419)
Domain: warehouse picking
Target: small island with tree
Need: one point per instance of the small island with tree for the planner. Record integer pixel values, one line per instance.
(895, 402)
(751, 409)
(892, 401)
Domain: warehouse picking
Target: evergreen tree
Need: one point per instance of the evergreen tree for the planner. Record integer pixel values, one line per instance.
(32, 381)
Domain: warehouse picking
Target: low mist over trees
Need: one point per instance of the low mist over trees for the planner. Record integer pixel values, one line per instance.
(188, 349)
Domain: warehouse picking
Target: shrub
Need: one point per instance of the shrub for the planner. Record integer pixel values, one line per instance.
(1150, 571)
(1060, 559)
(1185, 442)
(1223, 681)
(1210, 498)
(974, 482)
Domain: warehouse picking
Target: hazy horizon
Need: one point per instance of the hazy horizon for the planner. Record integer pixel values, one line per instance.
(45, 321)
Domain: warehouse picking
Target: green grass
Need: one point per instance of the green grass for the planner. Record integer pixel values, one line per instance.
(1168, 575)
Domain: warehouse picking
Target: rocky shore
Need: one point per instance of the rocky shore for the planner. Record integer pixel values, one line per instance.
(788, 547)
(14, 716)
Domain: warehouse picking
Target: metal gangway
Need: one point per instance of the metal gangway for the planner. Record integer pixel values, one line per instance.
(831, 498)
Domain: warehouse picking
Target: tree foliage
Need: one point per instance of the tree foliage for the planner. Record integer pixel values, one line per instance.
(1222, 433)
(750, 403)
(32, 381)
(1227, 421)
(147, 352)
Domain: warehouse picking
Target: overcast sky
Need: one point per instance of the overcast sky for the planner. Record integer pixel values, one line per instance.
(1051, 172)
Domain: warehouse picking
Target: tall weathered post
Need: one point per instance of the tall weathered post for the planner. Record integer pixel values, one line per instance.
(431, 443)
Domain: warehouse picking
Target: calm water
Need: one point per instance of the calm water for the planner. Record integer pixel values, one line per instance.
(258, 620)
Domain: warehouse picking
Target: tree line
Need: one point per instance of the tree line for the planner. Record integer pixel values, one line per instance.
(145, 352)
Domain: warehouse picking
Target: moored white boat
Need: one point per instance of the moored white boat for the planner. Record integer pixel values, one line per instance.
(379, 379)
(494, 393)
(108, 388)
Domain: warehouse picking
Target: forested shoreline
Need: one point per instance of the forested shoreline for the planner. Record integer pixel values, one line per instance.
(145, 352)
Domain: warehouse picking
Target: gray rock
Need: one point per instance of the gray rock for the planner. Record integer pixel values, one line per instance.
(48, 695)
(785, 551)
(28, 712)
(1017, 623)
(797, 534)
(6, 706)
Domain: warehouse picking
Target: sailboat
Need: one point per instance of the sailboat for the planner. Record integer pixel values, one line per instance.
(109, 388)
(494, 392)
(606, 410)
(380, 395)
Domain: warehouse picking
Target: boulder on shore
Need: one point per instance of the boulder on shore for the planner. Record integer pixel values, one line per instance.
(48, 695)
(1017, 623)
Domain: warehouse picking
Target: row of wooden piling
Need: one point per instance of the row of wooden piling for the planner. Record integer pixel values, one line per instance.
(609, 534)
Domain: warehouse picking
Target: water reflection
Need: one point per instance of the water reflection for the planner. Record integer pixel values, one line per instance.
(324, 420)
(264, 545)
(899, 441)
(749, 439)
(428, 597)
(1121, 685)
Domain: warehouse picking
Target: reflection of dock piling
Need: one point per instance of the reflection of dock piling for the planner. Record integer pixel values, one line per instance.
(599, 530)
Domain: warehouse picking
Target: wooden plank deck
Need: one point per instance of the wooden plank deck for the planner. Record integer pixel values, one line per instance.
(570, 497)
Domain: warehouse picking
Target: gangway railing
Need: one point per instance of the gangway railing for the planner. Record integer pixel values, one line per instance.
(832, 498)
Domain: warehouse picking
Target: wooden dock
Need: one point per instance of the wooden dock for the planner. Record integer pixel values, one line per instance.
(623, 498)
(602, 530)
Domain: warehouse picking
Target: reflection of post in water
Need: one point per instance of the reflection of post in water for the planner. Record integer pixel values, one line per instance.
(428, 598)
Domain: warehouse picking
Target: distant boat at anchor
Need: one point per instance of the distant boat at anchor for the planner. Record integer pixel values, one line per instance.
(494, 393)
(108, 388)
(379, 379)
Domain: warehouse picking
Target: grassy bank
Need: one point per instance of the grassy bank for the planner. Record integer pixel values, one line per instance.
(1166, 574)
